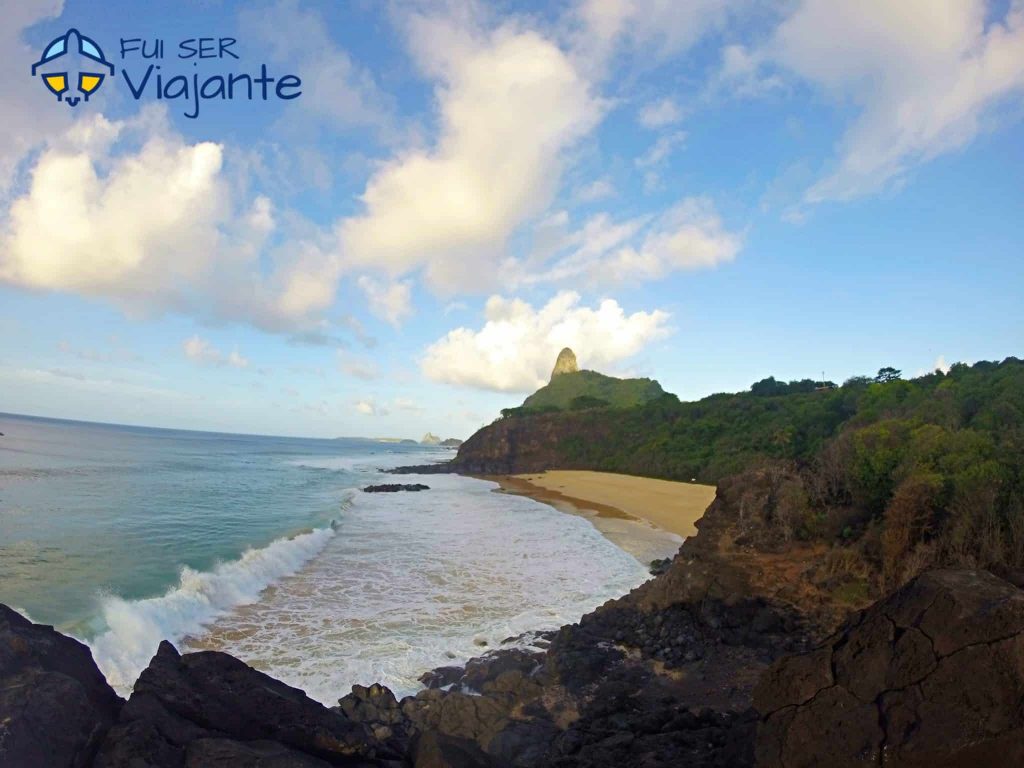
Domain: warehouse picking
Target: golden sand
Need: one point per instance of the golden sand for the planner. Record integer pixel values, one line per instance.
(672, 506)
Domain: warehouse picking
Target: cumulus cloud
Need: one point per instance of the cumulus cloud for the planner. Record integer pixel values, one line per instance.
(200, 350)
(517, 345)
(510, 104)
(923, 73)
(130, 211)
(389, 301)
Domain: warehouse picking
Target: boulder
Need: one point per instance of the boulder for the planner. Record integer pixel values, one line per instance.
(55, 705)
(186, 709)
(565, 363)
(931, 676)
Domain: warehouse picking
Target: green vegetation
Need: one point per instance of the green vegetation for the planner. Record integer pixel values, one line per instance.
(896, 475)
(589, 389)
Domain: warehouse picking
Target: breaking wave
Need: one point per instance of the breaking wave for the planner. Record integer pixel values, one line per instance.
(134, 628)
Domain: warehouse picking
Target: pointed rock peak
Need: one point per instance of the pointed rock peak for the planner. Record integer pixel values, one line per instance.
(566, 363)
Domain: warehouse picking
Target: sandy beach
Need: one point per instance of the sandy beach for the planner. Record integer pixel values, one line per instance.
(647, 517)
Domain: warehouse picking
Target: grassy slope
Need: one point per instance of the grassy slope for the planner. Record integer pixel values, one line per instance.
(618, 393)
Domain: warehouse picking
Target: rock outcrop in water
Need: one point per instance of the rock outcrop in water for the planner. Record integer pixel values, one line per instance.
(396, 487)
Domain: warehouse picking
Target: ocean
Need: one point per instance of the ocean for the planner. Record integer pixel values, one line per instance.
(265, 547)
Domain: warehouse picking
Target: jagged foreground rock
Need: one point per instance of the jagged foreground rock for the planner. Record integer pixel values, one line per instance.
(209, 708)
(55, 705)
(932, 676)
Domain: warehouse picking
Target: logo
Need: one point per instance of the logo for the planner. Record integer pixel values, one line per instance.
(73, 68)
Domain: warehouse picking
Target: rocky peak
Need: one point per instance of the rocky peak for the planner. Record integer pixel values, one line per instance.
(566, 363)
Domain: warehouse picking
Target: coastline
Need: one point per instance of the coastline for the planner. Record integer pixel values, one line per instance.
(646, 517)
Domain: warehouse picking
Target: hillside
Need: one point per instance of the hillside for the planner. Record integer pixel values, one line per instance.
(895, 475)
(583, 389)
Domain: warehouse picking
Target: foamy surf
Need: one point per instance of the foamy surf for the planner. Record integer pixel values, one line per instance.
(134, 628)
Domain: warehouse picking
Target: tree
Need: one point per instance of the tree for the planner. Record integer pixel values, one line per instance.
(887, 374)
(857, 381)
(768, 387)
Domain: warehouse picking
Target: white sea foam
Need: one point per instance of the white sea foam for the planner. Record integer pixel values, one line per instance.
(134, 628)
(417, 580)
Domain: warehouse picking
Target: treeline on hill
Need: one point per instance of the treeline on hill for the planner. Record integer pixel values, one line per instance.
(894, 475)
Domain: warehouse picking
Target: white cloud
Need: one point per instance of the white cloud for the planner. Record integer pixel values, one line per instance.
(941, 364)
(658, 114)
(200, 350)
(661, 149)
(335, 88)
(368, 407)
(23, 97)
(653, 30)
(516, 347)
(923, 74)
(131, 212)
(605, 252)
(391, 302)
(598, 189)
(511, 103)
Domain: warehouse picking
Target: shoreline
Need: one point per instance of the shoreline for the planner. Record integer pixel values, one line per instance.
(646, 517)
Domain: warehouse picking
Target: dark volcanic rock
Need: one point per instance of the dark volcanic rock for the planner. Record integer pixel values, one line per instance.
(435, 750)
(184, 709)
(55, 705)
(395, 488)
(931, 676)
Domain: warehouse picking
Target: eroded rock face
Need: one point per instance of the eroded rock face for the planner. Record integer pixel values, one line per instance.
(55, 705)
(188, 709)
(566, 363)
(931, 676)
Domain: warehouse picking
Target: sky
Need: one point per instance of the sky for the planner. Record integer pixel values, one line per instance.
(706, 192)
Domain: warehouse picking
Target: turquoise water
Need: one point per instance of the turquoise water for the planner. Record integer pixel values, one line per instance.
(265, 547)
(88, 509)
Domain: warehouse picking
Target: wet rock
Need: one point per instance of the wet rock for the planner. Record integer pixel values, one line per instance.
(931, 676)
(487, 668)
(55, 705)
(442, 677)
(395, 487)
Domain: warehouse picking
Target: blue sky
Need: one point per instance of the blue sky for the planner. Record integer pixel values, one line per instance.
(703, 192)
